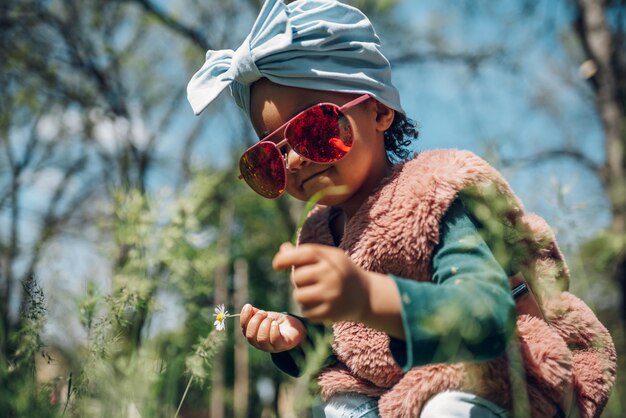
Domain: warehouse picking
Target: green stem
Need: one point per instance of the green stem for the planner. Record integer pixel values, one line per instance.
(330, 191)
(184, 396)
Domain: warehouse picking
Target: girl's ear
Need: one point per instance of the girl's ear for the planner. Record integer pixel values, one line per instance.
(384, 116)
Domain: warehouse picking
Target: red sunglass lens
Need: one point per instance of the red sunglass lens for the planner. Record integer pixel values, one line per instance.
(321, 134)
(263, 168)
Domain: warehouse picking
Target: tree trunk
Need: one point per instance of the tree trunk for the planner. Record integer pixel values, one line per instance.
(603, 47)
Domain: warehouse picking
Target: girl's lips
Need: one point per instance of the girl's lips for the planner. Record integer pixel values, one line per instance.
(312, 176)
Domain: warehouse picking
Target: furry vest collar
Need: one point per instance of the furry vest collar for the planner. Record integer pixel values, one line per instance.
(395, 232)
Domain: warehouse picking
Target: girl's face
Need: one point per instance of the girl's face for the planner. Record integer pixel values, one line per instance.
(360, 171)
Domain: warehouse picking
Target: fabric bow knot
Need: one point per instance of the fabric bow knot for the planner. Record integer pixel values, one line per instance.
(271, 31)
(242, 67)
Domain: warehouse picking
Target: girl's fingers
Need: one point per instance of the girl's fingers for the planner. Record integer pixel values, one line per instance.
(295, 256)
(306, 275)
(246, 313)
(309, 295)
(275, 336)
(263, 334)
(316, 313)
(253, 326)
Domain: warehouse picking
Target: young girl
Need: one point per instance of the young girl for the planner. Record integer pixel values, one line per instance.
(412, 263)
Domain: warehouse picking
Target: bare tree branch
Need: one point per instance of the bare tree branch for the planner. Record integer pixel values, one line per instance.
(549, 155)
(55, 221)
(145, 157)
(472, 60)
(52, 220)
(190, 33)
(188, 148)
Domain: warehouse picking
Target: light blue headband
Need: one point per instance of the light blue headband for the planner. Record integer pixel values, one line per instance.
(314, 44)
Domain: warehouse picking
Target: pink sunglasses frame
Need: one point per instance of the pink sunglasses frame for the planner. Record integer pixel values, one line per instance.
(285, 140)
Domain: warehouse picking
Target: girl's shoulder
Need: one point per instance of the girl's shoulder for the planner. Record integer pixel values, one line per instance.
(451, 159)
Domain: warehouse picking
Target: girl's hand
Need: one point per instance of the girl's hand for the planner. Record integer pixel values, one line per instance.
(327, 284)
(271, 331)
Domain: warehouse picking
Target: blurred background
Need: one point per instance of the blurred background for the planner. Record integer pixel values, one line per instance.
(123, 223)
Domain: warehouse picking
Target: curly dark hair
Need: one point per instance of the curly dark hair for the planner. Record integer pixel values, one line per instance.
(400, 135)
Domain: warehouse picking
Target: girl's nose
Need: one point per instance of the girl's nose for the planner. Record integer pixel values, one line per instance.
(293, 161)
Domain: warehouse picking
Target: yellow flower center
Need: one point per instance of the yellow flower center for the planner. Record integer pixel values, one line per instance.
(220, 317)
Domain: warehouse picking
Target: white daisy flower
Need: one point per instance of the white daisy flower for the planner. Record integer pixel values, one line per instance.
(220, 316)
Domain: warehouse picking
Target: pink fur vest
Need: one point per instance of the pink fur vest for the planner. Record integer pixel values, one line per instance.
(566, 358)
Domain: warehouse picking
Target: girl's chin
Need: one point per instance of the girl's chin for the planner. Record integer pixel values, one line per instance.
(329, 199)
(317, 185)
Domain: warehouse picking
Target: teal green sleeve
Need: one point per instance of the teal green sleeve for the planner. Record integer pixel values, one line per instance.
(466, 313)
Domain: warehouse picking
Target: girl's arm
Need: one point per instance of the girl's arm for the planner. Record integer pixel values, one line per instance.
(467, 312)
